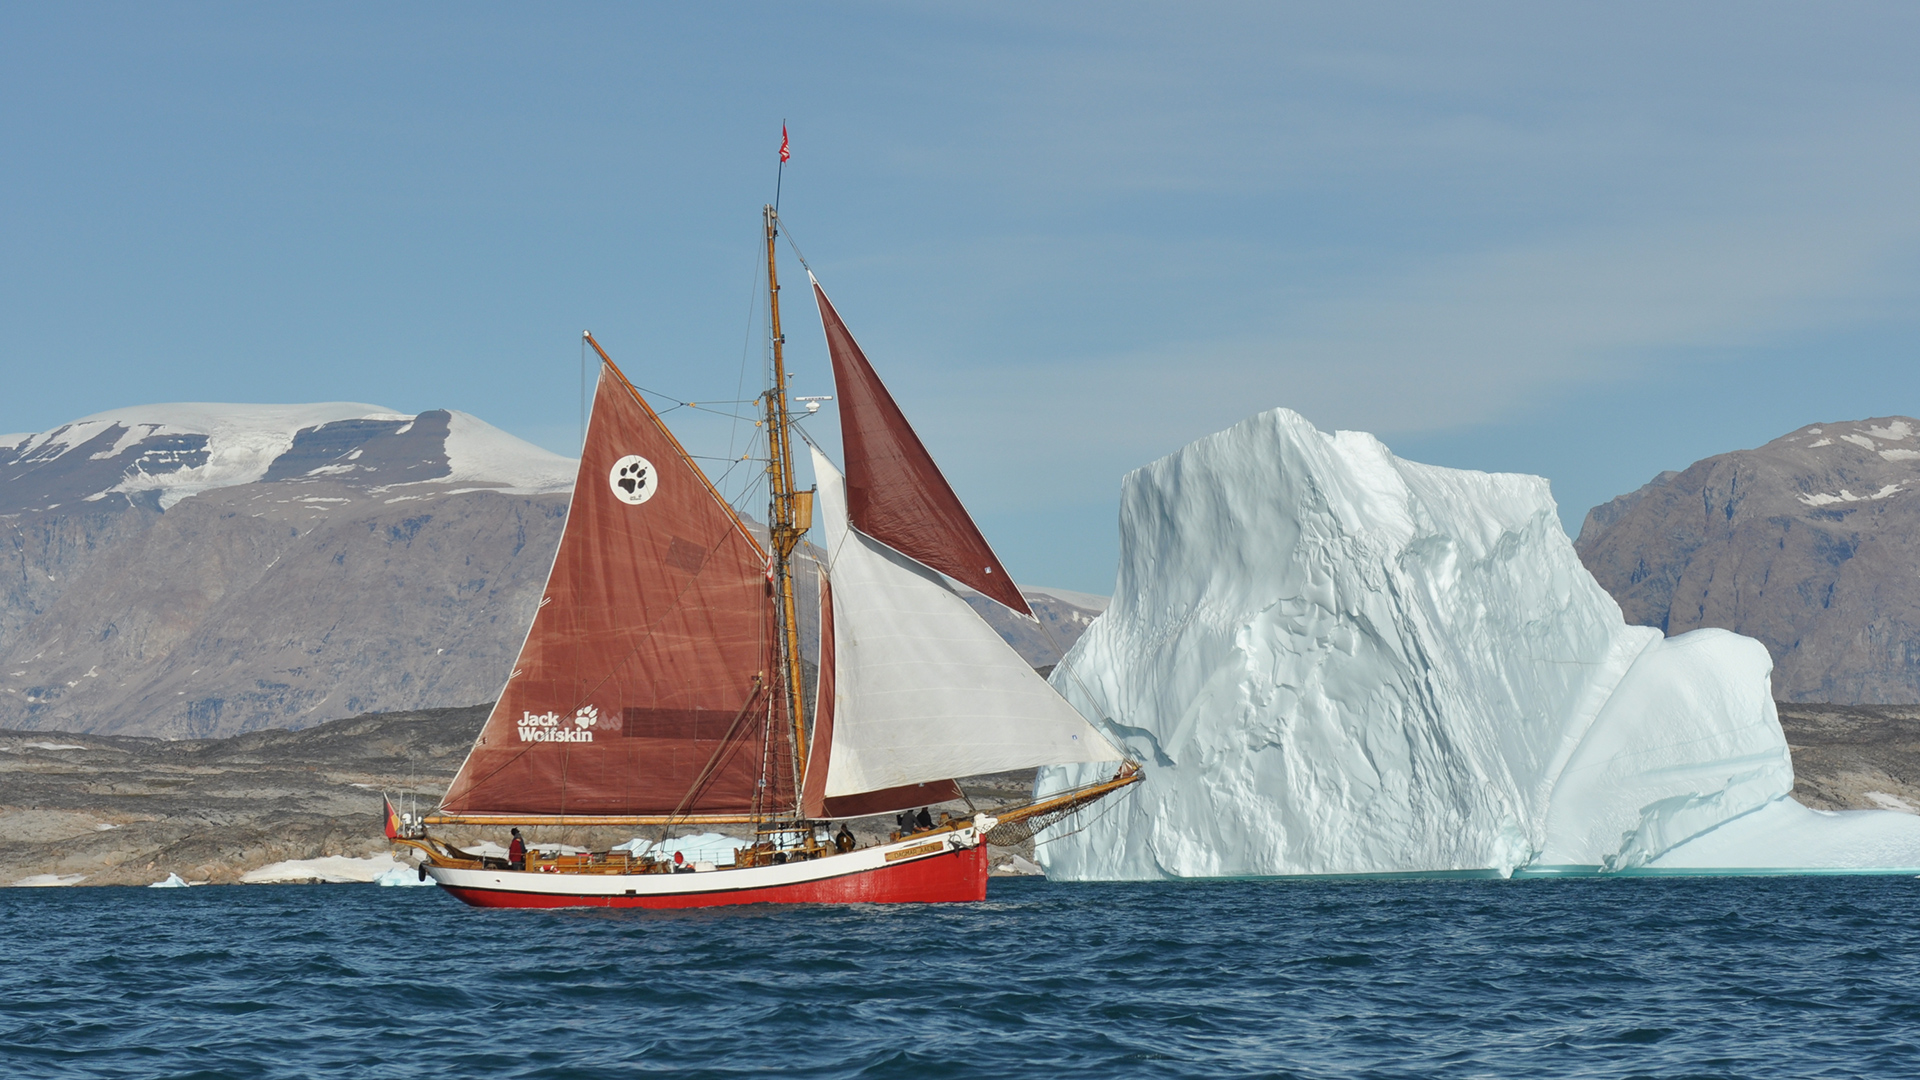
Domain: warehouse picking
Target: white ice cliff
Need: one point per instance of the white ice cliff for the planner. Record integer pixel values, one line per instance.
(1331, 661)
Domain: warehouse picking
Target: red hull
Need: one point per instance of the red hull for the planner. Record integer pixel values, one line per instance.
(954, 877)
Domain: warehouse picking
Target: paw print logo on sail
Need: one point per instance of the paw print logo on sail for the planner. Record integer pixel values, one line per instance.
(586, 716)
(633, 480)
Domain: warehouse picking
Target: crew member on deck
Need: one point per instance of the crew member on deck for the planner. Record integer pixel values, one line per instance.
(843, 840)
(517, 853)
(924, 821)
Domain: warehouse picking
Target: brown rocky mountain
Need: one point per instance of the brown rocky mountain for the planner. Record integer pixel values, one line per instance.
(253, 607)
(200, 571)
(1059, 618)
(1811, 544)
(206, 570)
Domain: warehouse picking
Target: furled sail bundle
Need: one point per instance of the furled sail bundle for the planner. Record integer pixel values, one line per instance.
(645, 686)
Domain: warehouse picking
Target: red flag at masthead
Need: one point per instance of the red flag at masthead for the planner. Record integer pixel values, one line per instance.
(784, 152)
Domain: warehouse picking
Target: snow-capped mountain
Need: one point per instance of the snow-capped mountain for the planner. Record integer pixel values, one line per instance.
(162, 454)
(206, 569)
(203, 570)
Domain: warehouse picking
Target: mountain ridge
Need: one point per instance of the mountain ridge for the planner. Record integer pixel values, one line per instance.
(1807, 543)
(196, 569)
(287, 566)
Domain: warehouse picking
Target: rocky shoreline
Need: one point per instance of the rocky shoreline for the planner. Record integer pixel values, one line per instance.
(114, 810)
(1854, 757)
(120, 810)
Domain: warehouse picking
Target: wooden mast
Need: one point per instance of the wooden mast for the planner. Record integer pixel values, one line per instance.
(791, 511)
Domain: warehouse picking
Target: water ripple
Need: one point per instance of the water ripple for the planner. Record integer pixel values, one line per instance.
(1560, 978)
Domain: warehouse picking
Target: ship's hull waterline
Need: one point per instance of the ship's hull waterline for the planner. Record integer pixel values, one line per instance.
(939, 868)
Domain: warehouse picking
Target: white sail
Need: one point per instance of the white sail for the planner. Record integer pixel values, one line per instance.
(925, 690)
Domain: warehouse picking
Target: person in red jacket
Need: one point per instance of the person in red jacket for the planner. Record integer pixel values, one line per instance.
(517, 853)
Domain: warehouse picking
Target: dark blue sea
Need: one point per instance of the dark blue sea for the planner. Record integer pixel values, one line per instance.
(1708, 977)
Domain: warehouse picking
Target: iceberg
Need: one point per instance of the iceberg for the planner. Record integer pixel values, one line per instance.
(1015, 864)
(171, 881)
(1331, 660)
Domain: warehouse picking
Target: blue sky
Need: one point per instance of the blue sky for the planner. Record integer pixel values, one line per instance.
(1586, 244)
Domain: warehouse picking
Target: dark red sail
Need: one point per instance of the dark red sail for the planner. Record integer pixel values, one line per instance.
(895, 493)
(646, 684)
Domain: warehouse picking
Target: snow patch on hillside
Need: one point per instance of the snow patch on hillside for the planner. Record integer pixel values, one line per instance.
(1823, 499)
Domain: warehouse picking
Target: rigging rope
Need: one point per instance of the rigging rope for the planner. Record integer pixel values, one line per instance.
(795, 246)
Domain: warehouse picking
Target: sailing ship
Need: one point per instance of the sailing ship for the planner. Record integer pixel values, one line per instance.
(661, 684)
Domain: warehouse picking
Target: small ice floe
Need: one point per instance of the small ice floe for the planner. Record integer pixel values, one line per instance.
(709, 847)
(333, 869)
(173, 881)
(1017, 865)
(403, 875)
(49, 881)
